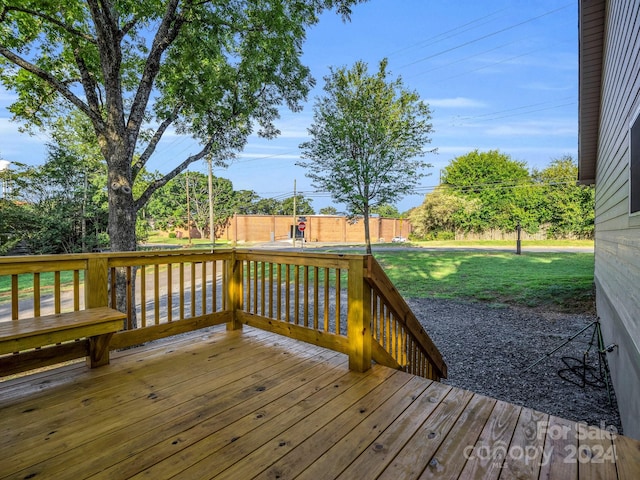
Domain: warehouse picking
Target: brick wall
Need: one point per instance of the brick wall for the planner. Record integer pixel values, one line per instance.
(319, 228)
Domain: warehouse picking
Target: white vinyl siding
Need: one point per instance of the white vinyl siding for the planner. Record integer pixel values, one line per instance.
(617, 265)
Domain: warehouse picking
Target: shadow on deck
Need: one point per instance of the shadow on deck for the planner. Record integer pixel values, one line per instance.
(253, 404)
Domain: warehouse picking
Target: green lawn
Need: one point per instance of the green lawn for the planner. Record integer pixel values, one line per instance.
(557, 281)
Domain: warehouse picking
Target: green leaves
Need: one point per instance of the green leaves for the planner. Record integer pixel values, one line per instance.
(214, 70)
(367, 134)
(482, 191)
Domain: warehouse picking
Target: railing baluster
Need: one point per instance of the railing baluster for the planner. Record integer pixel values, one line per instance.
(143, 295)
(181, 290)
(214, 286)
(255, 287)
(296, 294)
(156, 292)
(262, 287)
(279, 291)
(36, 294)
(130, 306)
(315, 297)
(193, 289)
(56, 290)
(374, 317)
(203, 287)
(271, 289)
(326, 299)
(337, 300)
(287, 296)
(169, 293)
(246, 266)
(76, 290)
(305, 287)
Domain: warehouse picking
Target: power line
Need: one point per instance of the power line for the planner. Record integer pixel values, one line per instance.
(483, 37)
(445, 35)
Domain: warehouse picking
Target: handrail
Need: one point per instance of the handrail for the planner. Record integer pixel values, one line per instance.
(397, 330)
(338, 301)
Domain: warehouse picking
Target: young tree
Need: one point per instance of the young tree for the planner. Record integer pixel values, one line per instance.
(367, 136)
(211, 70)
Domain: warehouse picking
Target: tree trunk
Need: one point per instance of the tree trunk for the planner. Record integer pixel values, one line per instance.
(367, 232)
(122, 225)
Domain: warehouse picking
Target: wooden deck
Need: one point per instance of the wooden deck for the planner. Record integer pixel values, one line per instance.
(250, 404)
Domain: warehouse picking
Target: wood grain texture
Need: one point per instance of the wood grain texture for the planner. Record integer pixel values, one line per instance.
(253, 404)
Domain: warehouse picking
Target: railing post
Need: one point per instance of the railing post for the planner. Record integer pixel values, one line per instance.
(234, 290)
(96, 283)
(359, 316)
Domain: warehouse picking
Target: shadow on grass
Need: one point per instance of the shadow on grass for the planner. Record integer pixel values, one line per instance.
(557, 281)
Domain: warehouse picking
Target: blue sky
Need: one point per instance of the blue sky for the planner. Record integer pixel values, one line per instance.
(497, 74)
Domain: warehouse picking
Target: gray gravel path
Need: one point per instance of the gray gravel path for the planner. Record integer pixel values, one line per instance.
(487, 350)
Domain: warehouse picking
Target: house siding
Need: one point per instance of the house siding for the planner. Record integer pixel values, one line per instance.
(617, 234)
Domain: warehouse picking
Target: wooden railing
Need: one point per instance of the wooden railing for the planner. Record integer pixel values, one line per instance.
(342, 302)
(399, 338)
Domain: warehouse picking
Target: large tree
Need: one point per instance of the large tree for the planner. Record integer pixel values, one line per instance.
(368, 135)
(494, 179)
(136, 68)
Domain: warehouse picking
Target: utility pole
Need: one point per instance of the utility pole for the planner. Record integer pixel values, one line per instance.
(295, 222)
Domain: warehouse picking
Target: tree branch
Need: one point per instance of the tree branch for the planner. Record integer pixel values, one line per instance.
(59, 86)
(55, 21)
(128, 26)
(166, 34)
(157, 136)
(144, 198)
(88, 82)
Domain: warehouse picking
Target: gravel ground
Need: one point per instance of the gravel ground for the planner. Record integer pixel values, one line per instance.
(487, 350)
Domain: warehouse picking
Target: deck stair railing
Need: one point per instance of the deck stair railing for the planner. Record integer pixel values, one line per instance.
(341, 302)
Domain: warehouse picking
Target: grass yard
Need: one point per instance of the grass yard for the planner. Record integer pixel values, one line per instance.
(556, 281)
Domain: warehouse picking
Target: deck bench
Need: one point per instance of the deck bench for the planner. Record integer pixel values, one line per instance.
(96, 324)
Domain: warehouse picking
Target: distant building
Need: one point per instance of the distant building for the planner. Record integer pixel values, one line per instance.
(318, 228)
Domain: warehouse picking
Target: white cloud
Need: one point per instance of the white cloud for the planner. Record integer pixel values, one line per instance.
(457, 102)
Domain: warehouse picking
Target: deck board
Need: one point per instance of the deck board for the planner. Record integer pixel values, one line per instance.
(251, 404)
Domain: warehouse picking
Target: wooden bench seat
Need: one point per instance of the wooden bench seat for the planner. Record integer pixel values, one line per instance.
(96, 324)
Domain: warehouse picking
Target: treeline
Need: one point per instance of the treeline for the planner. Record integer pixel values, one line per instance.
(62, 207)
(484, 191)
